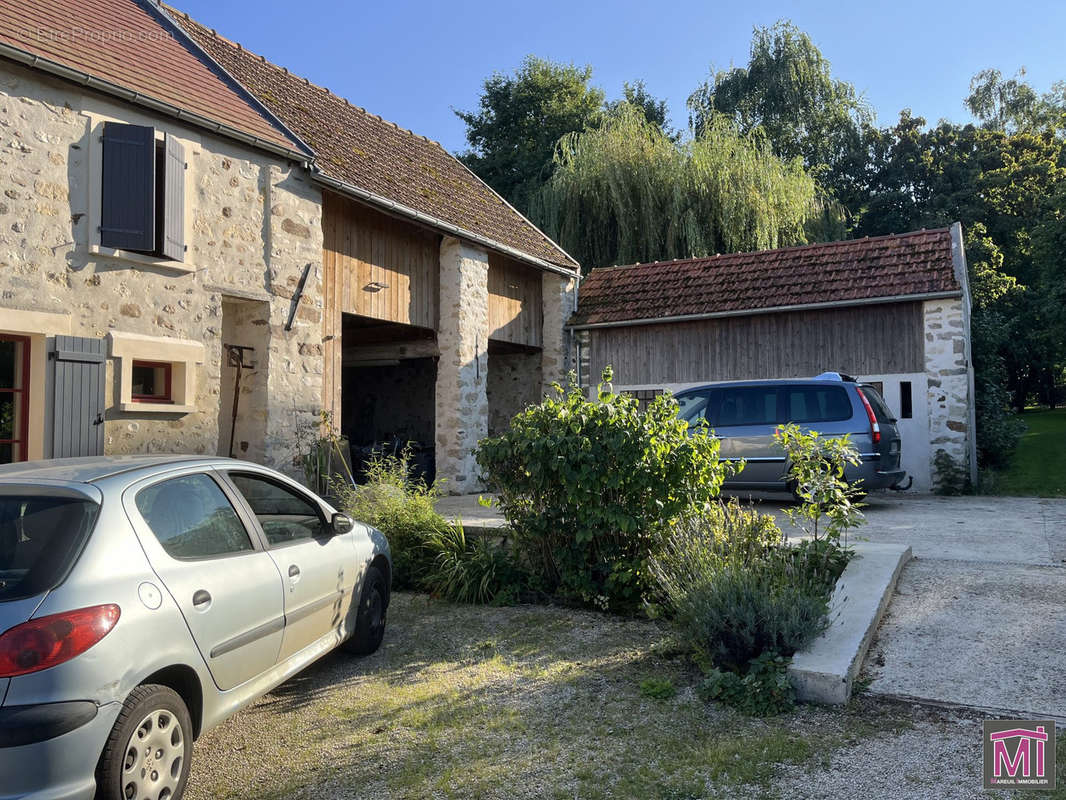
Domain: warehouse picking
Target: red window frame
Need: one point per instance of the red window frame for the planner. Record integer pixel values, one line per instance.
(22, 439)
(168, 396)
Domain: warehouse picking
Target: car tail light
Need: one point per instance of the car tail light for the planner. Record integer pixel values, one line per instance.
(48, 641)
(875, 429)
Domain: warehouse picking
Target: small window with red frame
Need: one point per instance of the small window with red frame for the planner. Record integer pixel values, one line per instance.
(151, 382)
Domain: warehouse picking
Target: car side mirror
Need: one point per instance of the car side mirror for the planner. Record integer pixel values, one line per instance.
(341, 523)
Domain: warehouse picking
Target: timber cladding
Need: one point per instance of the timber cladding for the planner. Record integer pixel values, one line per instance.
(378, 266)
(861, 340)
(516, 309)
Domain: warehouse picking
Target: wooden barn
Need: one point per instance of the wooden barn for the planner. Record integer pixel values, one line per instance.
(891, 310)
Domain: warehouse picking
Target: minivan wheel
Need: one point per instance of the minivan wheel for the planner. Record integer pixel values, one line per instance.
(370, 619)
(148, 753)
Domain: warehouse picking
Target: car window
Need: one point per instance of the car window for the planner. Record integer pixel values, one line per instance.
(816, 404)
(695, 406)
(877, 402)
(749, 405)
(192, 518)
(285, 515)
(39, 539)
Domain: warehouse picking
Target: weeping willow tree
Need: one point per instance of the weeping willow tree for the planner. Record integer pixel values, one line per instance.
(625, 192)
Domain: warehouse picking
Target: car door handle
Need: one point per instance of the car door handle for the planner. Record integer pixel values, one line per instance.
(294, 571)
(201, 599)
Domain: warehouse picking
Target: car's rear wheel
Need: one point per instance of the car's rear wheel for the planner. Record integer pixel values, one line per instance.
(148, 753)
(370, 618)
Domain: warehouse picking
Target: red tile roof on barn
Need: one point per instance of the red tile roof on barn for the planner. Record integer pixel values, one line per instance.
(859, 270)
(364, 151)
(128, 44)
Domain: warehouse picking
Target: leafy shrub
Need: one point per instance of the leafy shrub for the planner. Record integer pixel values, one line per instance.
(950, 477)
(588, 486)
(471, 570)
(657, 688)
(816, 466)
(736, 591)
(402, 509)
(763, 690)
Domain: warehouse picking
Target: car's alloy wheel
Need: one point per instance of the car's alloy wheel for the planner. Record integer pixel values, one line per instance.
(147, 756)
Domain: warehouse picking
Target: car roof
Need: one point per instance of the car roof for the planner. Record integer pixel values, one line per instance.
(774, 382)
(92, 468)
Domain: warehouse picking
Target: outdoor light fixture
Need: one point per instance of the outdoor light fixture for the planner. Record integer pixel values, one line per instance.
(375, 286)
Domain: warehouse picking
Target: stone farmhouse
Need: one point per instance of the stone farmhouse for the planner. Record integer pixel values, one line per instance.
(180, 217)
(893, 311)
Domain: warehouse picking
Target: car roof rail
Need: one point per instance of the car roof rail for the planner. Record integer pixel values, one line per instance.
(835, 376)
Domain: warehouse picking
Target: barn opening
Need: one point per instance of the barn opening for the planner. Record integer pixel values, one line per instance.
(388, 386)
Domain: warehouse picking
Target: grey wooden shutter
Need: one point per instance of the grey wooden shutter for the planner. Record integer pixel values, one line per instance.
(78, 408)
(173, 245)
(127, 210)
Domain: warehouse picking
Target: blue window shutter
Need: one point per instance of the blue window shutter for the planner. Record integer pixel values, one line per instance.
(173, 245)
(127, 210)
(80, 366)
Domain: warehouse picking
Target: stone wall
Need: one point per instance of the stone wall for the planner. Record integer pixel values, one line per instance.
(560, 293)
(462, 408)
(948, 380)
(252, 225)
(513, 383)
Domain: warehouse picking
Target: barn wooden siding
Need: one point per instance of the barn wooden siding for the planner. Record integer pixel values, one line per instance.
(361, 248)
(516, 310)
(864, 340)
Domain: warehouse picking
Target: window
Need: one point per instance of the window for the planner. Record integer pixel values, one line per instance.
(142, 205)
(750, 405)
(192, 518)
(906, 403)
(151, 382)
(877, 403)
(699, 407)
(284, 515)
(814, 404)
(14, 397)
(39, 538)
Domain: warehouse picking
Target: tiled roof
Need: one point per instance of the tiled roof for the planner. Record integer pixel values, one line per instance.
(363, 150)
(123, 42)
(861, 270)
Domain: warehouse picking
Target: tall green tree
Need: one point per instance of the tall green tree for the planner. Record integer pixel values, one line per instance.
(787, 92)
(1011, 104)
(625, 192)
(653, 108)
(520, 117)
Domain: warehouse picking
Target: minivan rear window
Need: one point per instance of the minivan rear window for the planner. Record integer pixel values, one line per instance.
(40, 537)
(878, 404)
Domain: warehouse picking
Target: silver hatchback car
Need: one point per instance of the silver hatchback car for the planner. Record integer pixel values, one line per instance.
(744, 415)
(144, 599)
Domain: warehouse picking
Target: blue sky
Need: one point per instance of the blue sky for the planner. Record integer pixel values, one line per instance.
(412, 62)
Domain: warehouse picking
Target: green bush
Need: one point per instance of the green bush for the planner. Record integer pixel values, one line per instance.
(736, 592)
(400, 507)
(950, 477)
(657, 688)
(472, 570)
(588, 486)
(763, 690)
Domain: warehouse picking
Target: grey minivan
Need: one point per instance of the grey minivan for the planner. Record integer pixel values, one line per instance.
(745, 415)
(144, 599)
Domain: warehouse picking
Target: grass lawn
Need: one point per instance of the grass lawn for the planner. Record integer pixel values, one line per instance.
(542, 702)
(1039, 464)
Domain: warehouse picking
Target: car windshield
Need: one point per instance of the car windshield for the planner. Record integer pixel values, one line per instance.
(40, 537)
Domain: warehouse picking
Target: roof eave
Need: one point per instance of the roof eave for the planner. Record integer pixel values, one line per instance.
(900, 298)
(81, 78)
(391, 206)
